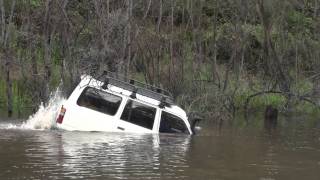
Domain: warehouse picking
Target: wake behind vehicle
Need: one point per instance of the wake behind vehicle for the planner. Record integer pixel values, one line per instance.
(117, 104)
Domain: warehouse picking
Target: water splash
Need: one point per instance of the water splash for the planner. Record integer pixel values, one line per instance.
(45, 117)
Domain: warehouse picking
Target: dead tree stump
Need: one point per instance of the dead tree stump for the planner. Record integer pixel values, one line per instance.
(270, 117)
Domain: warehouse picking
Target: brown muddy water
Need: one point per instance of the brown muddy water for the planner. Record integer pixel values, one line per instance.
(242, 154)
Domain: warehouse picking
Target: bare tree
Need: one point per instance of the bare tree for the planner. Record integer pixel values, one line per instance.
(8, 54)
(47, 40)
(271, 56)
(3, 21)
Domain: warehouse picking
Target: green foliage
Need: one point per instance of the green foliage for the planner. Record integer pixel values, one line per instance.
(36, 3)
(263, 101)
(299, 23)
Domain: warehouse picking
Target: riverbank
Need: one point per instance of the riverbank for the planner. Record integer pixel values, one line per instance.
(215, 106)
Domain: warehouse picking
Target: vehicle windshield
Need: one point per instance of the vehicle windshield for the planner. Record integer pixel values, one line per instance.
(172, 124)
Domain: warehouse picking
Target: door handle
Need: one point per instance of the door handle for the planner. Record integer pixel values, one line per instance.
(121, 128)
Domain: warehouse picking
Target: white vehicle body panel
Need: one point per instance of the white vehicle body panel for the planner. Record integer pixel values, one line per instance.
(85, 119)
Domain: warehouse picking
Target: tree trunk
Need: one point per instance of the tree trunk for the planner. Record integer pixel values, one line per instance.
(171, 65)
(316, 6)
(6, 35)
(159, 45)
(9, 85)
(271, 55)
(7, 55)
(129, 16)
(215, 75)
(47, 51)
(2, 22)
(65, 43)
(147, 11)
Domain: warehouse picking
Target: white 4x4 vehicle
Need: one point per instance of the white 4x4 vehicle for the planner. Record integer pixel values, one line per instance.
(108, 103)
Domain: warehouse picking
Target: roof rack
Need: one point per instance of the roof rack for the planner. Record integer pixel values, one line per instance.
(162, 95)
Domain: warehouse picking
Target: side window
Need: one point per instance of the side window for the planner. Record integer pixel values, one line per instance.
(139, 114)
(99, 101)
(172, 124)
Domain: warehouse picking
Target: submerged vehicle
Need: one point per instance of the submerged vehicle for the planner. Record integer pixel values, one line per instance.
(117, 104)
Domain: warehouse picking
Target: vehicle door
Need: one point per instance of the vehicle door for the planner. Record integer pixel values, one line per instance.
(137, 117)
(96, 110)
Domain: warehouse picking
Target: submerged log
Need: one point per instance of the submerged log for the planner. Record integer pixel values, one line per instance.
(270, 117)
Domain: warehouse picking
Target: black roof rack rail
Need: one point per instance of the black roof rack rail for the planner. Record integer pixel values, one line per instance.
(162, 95)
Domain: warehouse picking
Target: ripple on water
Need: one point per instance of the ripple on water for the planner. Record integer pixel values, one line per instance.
(91, 155)
(96, 155)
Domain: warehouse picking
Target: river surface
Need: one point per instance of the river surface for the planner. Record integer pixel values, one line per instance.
(26, 153)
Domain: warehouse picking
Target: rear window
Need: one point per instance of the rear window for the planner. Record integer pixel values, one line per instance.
(139, 114)
(99, 101)
(172, 124)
